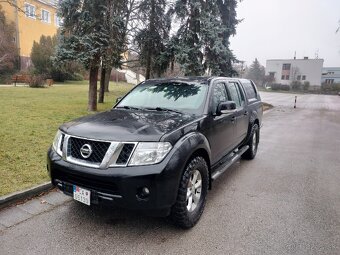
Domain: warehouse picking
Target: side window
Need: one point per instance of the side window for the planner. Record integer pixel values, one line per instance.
(234, 94)
(219, 95)
(250, 90)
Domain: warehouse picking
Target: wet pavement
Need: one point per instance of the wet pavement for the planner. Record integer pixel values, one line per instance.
(285, 201)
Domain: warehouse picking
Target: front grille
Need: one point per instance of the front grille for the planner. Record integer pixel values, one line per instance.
(99, 149)
(97, 154)
(125, 154)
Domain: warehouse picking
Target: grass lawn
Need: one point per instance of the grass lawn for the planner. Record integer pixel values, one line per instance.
(29, 119)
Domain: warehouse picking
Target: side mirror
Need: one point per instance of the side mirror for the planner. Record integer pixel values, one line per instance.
(226, 107)
(118, 99)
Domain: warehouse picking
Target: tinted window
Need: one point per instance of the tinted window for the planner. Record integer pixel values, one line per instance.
(219, 95)
(186, 97)
(250, 90)
(234, 94)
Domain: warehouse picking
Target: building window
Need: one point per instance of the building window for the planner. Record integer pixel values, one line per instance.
(282, 77)
(299, 77)
(45, 16)
(286, 66)
(303, 77)
(330, 72)
(329, 81)
(30, 10)
(287, 77)
(58, 21)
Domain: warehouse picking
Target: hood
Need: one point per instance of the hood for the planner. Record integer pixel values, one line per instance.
(127, 125)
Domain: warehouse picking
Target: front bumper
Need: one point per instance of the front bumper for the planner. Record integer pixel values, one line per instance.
(122, 186)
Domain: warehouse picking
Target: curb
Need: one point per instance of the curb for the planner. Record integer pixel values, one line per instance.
(25, 194)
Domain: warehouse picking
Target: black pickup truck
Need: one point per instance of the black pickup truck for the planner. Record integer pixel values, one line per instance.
(159, 149)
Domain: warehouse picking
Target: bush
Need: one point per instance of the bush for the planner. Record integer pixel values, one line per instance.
(5, 79)
(275, 86)
(306, 85)
(37, 81)
(285, 87)
(330, 88)
(296, 85)
(75, 77)
(278, 86)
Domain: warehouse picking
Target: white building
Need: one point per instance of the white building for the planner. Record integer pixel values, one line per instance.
(284, 71)
(330, 75)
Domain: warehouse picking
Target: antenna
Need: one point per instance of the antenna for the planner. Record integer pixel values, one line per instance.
(317, 54)
(295, 55)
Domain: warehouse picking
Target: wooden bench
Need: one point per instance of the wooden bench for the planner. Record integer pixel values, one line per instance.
(20, 78)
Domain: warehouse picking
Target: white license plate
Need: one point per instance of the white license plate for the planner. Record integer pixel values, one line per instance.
(81, 195)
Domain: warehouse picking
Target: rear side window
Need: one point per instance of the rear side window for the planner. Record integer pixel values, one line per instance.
(235, 94)
(250, 90)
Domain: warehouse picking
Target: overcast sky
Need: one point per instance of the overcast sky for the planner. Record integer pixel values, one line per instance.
(277, 28)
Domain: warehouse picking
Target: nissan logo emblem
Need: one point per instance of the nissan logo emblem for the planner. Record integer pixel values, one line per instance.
(86, 151)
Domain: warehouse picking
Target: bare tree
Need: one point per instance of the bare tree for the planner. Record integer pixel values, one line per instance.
(14, 4)
(8, 50)
(118, 23)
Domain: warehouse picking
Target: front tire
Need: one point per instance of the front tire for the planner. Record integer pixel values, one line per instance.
(192, 192)
(252, 143)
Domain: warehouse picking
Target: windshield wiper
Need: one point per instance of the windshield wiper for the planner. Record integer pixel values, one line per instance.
(162, 109)
(128, 107)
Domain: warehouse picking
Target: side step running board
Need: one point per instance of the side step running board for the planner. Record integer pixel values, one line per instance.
(235, 157)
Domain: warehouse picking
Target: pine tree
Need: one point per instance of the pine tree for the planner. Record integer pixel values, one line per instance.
(116, 20)
(42, 53)
(152, 39)
(84, 38)
(203, 37)
(256, 72)
(187, 43)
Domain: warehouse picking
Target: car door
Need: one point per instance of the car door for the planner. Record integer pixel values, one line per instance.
(241, 115)
(221, 128)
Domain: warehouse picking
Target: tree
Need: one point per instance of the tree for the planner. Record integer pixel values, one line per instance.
(84, 38)
(117, 19)
(8, 48)
(202, 40)
(256, 72)
(12, 3)
(42, 53)
(152, 39)
(43, 59)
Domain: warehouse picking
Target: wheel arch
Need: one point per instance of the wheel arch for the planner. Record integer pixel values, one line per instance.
(201, 152)
(193, 145)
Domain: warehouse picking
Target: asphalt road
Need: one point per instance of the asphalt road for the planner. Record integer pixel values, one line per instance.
(286, 201)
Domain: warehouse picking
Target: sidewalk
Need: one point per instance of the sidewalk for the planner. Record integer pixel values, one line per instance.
(12, 85)
(21, 212)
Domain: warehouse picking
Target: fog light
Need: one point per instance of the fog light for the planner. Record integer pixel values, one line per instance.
(143, 193)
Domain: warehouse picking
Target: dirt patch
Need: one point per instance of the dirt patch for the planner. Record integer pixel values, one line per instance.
(266, 106)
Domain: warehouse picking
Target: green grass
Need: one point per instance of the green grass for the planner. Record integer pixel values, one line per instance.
(29, 120)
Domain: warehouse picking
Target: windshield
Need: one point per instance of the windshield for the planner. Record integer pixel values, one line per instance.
(177, 96)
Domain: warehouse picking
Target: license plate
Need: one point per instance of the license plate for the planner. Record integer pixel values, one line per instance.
(81, 195)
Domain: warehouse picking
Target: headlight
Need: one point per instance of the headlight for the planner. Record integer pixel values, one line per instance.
(149, 153)
(57, 142)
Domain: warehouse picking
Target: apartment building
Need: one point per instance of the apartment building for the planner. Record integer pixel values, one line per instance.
(32, 18)
(331, 75)
(284, 71)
